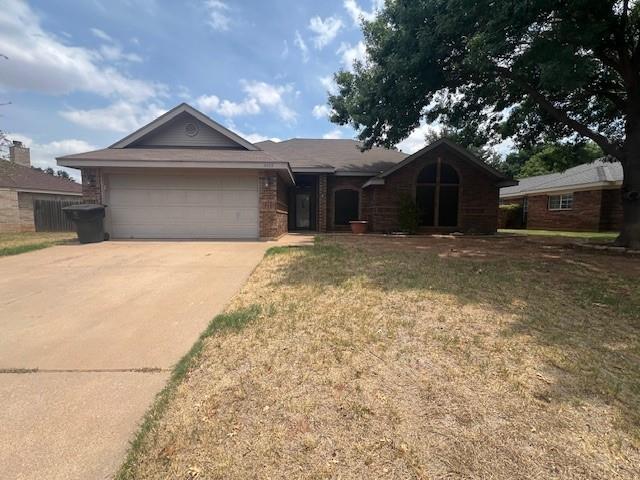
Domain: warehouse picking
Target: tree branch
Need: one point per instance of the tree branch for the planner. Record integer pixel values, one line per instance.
(560, 115)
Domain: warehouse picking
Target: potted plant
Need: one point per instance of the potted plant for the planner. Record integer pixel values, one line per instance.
(358, 226)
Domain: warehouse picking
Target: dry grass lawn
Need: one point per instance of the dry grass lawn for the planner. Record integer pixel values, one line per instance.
(14, 243)
(428, 358)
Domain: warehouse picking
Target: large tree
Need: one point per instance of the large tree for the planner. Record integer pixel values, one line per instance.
(534, 70)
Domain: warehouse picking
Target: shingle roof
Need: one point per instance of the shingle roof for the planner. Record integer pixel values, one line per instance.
(341, 154)
(174, 155)
(20, 177)
(599, 171)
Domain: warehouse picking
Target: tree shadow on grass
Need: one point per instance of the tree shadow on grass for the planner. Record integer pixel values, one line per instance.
(589, 320)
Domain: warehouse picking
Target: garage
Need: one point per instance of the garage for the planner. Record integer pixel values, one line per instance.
(182, 206)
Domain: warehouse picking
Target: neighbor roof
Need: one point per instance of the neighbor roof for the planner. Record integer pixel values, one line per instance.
(597, 174)
(343, 155)
(29, 179)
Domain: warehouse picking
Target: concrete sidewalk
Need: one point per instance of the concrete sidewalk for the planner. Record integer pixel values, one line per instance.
(89, 335)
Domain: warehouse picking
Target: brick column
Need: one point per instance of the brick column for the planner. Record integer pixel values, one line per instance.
(91, 185)
(322, 202)
(268, 188)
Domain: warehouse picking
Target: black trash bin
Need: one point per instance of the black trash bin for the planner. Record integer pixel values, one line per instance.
(88, 219)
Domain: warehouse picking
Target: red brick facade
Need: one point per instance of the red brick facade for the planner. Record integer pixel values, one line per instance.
(91, 185)
(592, 211)
(273, 212)
(478, 195)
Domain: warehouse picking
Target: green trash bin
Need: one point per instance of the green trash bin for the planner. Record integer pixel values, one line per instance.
(89, 221)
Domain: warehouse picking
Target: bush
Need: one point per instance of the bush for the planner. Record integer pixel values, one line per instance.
(409, 214)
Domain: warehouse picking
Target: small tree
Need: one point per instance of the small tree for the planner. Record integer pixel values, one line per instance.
(409, 215)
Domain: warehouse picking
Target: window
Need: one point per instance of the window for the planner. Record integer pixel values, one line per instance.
(437, 192)
(561, 202)
(346, 206)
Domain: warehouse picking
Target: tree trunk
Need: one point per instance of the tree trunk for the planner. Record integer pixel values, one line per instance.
(630, 233)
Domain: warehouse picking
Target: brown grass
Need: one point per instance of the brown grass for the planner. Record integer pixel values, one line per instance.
(416, 358)
(15, 243)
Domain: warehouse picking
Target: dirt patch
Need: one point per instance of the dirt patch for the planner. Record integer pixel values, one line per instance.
(376, 357)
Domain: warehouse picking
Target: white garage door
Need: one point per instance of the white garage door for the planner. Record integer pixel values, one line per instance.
(182, 206)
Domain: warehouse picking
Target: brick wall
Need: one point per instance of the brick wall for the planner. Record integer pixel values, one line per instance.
(611, 210)
(478, 204)
(9, 214)
(91, 185)
(272, 218)
(583, 216)
(322, 202)
(339, 183)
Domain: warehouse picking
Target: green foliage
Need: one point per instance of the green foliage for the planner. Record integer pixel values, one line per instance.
(276, 251)
(537, 71)
(511, 207)
(409, 216)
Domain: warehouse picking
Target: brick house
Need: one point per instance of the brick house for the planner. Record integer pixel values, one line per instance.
(21, 186)
(583, 198)
(186, 176)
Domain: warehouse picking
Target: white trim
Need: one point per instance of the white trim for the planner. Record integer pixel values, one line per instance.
(48, 192)
(174, 112)
(565, 189)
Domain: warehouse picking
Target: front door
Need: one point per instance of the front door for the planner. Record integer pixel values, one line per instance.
(303, 210)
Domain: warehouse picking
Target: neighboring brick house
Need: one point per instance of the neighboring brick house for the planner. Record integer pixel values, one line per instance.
(583, 198)
(186, 176)
(21, 185)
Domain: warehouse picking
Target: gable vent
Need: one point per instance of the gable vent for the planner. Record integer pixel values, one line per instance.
(191, 129)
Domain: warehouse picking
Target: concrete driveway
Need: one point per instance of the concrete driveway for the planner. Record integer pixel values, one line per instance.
(80, 324)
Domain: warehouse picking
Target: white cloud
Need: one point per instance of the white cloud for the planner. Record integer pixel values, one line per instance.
(329, 84)
(333, 134)
(114, 53)
(352, 53)
(101, 34)
(120, 116)
(40, 62)
(321, 111)
(217, 13)
(358, 14)
(259, 96)
(299, 42)
(416, 139)
(43, 155)
(256, 137)
(325, 30)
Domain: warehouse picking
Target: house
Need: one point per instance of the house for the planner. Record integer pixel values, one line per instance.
(21, 186)
(583, 198)
(186, 176)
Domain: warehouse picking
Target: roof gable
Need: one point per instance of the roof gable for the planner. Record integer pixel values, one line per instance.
(184, 126)
(463, 152)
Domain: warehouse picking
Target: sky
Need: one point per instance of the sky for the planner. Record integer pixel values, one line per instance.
(80, 75)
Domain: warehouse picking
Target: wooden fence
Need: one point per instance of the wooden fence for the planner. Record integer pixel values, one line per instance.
(49, 217)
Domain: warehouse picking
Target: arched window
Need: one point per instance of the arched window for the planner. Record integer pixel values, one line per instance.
(437, 189)
(346, 206)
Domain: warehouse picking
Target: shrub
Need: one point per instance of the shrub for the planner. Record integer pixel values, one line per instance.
(409, 214)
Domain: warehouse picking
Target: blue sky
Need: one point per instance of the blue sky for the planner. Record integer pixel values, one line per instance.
(83, 74)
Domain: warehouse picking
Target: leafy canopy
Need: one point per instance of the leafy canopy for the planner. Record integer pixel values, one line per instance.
(535, 70)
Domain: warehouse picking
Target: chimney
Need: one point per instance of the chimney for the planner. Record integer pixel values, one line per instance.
(19, 154)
